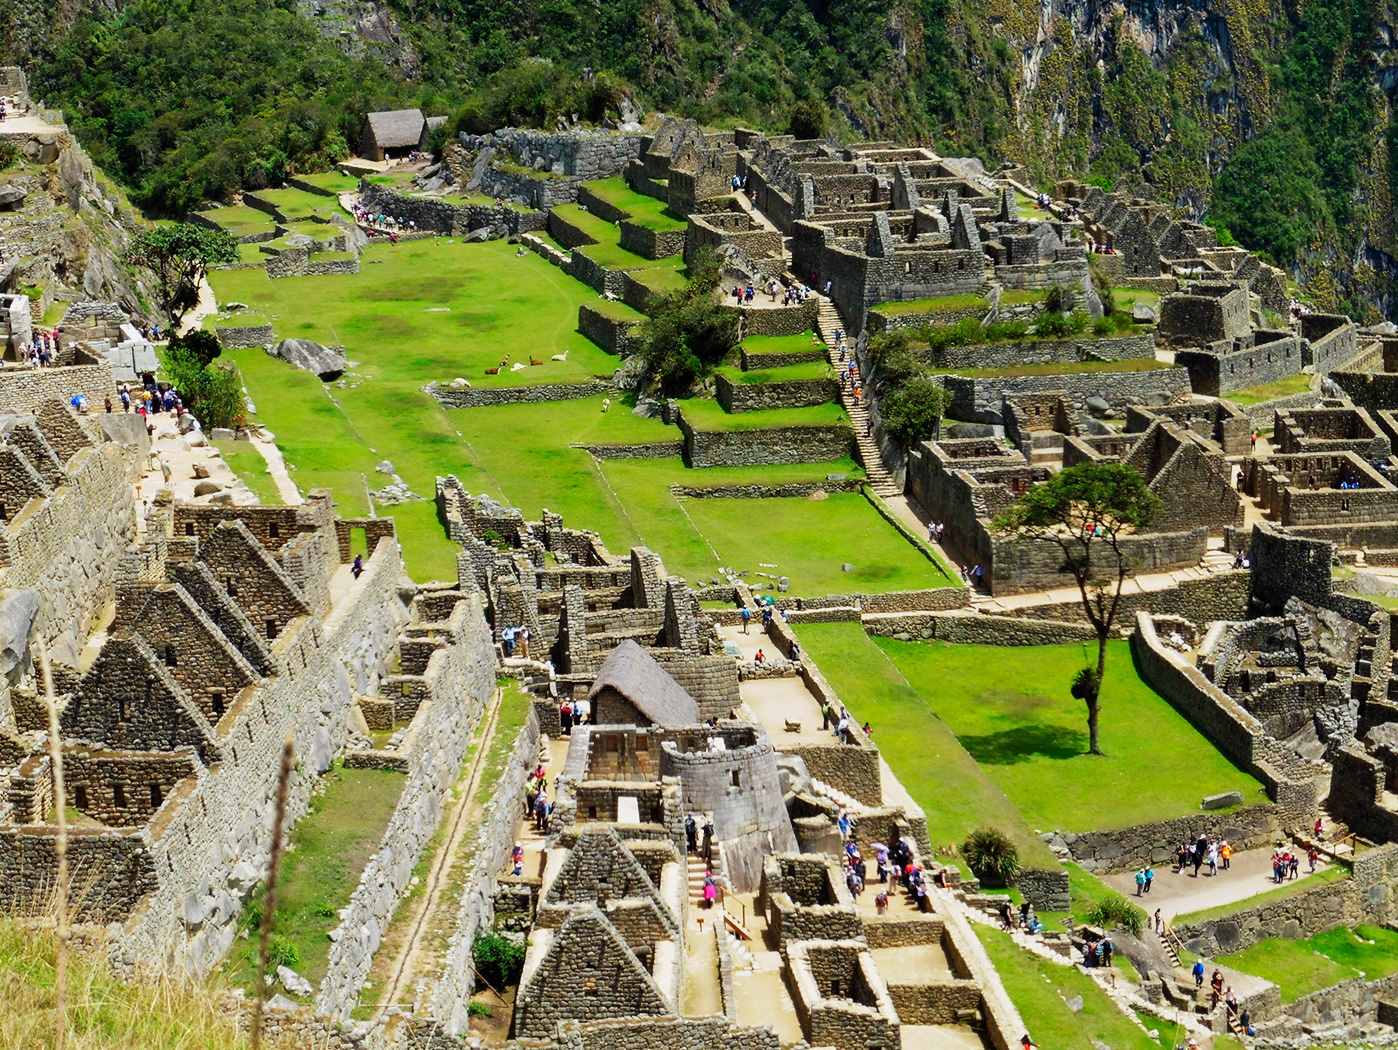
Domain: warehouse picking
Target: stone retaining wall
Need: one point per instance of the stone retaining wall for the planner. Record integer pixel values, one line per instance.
(755, 362)
(979, 400)
(439, 216)
(609, 333)
(652, 244)
(878, 321)
(452, 993)
(1048, 351)
(451, 397)
(460, 679)
(976, 629)
(735, 448)
(1263, 414)
(1126, 849)
(754, 397)
(792, 490)
(23, 390)
(789, 320)
(244, 336)
(653, 450)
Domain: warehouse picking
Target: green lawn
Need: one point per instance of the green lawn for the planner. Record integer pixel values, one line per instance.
(1062, 368)
(300, 204)
(1013, 297)
(783, 374)
(1125, 298)
(663, 279)
(1042, 989)
(928, 760)
(615, 257)
(1301, 967)
(599, 229)
(238, 214)
(644, 211)
(1010, 708)
(1297, 384)
(944, 304)
(332, 180)
(709, 416)
(249, 465)
(757, 345)
(320, 870)
(808, 541)
(617, 310)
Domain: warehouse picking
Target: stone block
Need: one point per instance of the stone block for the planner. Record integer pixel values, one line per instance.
(1223, 801)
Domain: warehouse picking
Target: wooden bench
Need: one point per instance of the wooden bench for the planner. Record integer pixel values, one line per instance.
(792, 727)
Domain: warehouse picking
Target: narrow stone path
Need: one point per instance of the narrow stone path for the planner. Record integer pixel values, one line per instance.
(276, 466)
(206, 306)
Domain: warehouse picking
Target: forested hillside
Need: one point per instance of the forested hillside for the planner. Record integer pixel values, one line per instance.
(1273, 118)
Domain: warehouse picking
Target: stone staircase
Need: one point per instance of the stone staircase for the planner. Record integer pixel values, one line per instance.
(828, 322)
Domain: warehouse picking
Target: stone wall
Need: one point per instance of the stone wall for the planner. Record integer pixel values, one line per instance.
(242, 337)
(439, 216)
(649, 243)
(734, 448)
(1126, 849)
(1218, 374)
(24, 389)
(609, 333)
(976, 629)
(451, 397)
(1048, 351)
(582, 154)
(452, 993)
(303, 262)
(782, 320)
(979, 400)
(460, 678)
(754, 397)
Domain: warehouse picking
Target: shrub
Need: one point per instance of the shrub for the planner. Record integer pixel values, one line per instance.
(689, 331)
(498, 959)
(1059, 300)
(808, 120)
(282, 952)
(911, 412)
(474, 1009)
(1113, 911)
(9, 155)
(992, 856)
(214, 393)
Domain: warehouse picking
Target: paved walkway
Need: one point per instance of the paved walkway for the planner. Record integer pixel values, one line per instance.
(1249, 873)
(28, 124)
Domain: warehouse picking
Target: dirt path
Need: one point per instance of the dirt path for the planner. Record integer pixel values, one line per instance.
(276, 466)
(1249, 873)
(207, 305)
(462, 819)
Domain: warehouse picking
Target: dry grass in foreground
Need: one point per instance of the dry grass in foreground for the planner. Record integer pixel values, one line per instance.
(102, 1011)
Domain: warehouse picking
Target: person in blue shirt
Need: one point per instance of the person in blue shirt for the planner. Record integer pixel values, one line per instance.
(1198, 971)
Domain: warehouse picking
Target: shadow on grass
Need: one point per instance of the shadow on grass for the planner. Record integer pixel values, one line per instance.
(1026, 742)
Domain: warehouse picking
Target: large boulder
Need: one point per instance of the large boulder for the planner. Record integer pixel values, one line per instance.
(11, 194)
(325, 361)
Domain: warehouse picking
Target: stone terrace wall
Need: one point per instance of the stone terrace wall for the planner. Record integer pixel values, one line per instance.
(460, 679)
(206, 842)
(451, 397)
(23, 390)
(735, 448)
(243, 337)
(453, 990)
(975, 400)
(1054, 351)
(790, 320)
(454, 219)
(607, 332)
(1366, 897)
(753, 397)
(651, 244)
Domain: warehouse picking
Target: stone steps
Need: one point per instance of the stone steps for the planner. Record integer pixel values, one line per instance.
(828, 322)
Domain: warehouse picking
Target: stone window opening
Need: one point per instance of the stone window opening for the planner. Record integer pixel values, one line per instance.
(189, 528)
(274, 531)
(4, 513)
(124, 708)
(271, 628)
(119, 796)
(835, 992)
(232, 588)
(171, 660)
(734, 775)
(80, 796)
(155, 796)
(216, 702)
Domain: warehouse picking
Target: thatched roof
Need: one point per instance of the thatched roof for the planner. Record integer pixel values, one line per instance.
(633, 673)
(396, 128)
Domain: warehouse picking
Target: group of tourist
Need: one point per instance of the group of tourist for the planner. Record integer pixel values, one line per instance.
(843, 723)
(1144, 877)
(382, 221)
(974, 576)
(536, 802)
(704, 849)
(512, 637)
(1220, 994)
(1097, 951)
(1204, 850)
(1286, 864)
(573, 713)
(936, 531)
(42, 350)
(1028, 921)
(1241, 560)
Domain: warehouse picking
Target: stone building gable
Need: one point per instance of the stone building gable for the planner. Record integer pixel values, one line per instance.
(227, 615)
(19, 482)
(128, 701)
(1192, 484)
(602, 978)
(195, 652)
(599, 868)
(62, 429)
(252, 578)
(632, 688)
(27, 437)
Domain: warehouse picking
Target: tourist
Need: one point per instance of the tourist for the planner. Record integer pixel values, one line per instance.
(844, 825)
(1107, 947)
(1025, 1043)
(1007, 916)
(565, 718)
(708, 840)
(1150, 877)
(1197, 855)
(517, 855)
(1312, 856)
(1294, 866)
(745, 615)
(1198, 970)
(357, 568)
(691, 833)
(1213, 859)
(794, 652)
(827, 715)
(540, 811)
(1140, 881)
(524, 642)
(881, 860)
(760, 658)
(1024, 910)
(710, 890)
(1319, 837)
(507, 641)
(1230, 1000)
(868, 730)
(1245, 1020)
(1254, 441)
(978, 576)
(842, 729)
(1159, 924)
(766, 616)
(881, 902)
(1215, 988)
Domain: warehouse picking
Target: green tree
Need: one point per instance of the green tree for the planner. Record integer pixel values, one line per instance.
(213, 393)
(689, 331)
(204, 345)
(912, 411)
(180, 255)
(1088, 510)
(808, 120)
